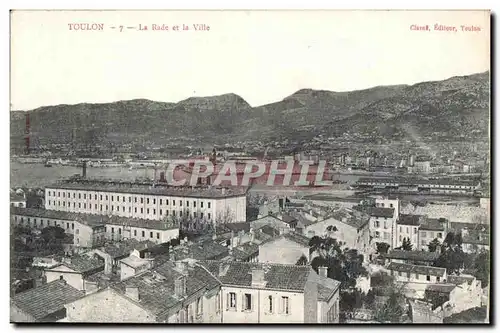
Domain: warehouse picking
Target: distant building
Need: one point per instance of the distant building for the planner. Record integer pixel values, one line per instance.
(17, 200)
(285, 249)
(74, 270)
(431, 229)
(416, 273)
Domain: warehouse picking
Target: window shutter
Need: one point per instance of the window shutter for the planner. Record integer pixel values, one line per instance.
(228, 300)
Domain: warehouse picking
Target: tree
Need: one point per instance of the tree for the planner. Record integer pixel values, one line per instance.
(392, 310)
(407, 246)
(452, 258)
(302, 261)
(344, 265)
(369, 298)
(382, 248)
(482, 267)
(433, 245)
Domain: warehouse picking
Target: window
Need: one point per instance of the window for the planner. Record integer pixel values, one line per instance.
(64, 194)
(166, 212)
(377, 234)
(100, 207)
(385, 224)
(180, 213)
(431, 234)
(400, 229)
(129, 199)
(173, 202)
(428, 278)
(151, 234)
(112, 230)
(123, 209)
(201, 204)
(391, 205)
(285, 305)
(106, 197)
(407, 230)
(377, 224)
(270, 304)
(143, 234)
(161, 201)
(142, 210)
(112, 198)
(142, 200)
(248, 302)
(120, 231)
(135, 232)
(85, 206)
(130, 209)
(440, 235)
(415, 230)
(67, 225)
(231, 301)
(424, 234)
(147, 201)
(112, 207)
(161, 212)
(438, 279)
(123, 198)
(187, 204)
(408, 275)
(173, 213)
(416, 276)
(194, 214)
(95, 196)
(154, 201)
(147, 211)
(194, 204)
(79, 205)
(400, 238)
(157, 235)
(180, 203)
(77, 231)
(72, 226)
(100, 196)
(208, 204)
(201, 215)
(135, 199)
(58, 194)
(95, 206)
(135, 209)
(400, 273)
(166, 201)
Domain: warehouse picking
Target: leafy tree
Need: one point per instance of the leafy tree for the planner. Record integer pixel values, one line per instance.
(302, 261)
(452, 258)
(392, 310)
(482, 267)
(344, 265)
(382, 248)
(407, 245)
(369, 299)
(453, 239)
(433, 245)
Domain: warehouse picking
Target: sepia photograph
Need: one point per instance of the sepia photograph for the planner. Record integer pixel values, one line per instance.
(250, 167)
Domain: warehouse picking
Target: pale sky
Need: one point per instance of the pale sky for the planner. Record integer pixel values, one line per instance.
(263, 56)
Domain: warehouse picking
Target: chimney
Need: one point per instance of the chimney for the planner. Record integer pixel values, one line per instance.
(84, 169)
(182, 267)
(180, 286)
(108, 263)
(132, 292)
(323, 271)
(258, 277)
(223, 267)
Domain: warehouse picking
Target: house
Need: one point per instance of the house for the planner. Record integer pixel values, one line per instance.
(135, 264)
(421, 313)
(273, 293)
(18, 200)
(422, 258)
(285, 249)
(475, 240)
(382, 224)
(246, 252)
(416, 273)
(43, 304)
(346, 226)
(170, 293)
(272, 221)
(74, 270)
(205, 250)
(408, 227)
(431, 229)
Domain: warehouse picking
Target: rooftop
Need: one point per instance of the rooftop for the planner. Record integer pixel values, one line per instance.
(207, 250)
(297, 238)
(94, 219)
(423, 270)
(172, 191)
(123, 248)
(375, 211)
(460, 279)
(135, 262)
(156, 287)
(406, 219)
(82, 264)
(350, 219)
(46, 299)
(277, 276)
(412, 255)
(476, 237)
(418, 181)
(432, 224)
(441, 288)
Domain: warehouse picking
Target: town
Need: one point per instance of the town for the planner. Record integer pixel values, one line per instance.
(371, 250)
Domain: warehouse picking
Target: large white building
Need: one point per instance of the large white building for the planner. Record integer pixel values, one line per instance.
(147, 202)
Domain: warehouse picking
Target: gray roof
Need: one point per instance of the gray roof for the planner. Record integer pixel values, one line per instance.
(46, 299)
(441, 288)
(209, 192)
(432, 224)
(82, 264)
(277, 276)
(423, 270)
(94, 219)
(459, 279)
(406, 219)
(412, 255)
(207, 250)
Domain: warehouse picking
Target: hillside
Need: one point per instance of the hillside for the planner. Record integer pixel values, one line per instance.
(450, 108)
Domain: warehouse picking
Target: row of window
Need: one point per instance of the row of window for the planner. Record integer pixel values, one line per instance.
(408, 230)
(112, 230)
(248, 303)
(431, 234)
(117, 197)
(35, 221)
(386, 235)
(117, 209)
(377, 224)
(417, 276)
(186, 315)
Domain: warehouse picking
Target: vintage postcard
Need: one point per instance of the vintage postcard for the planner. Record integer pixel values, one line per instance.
(213, 167)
